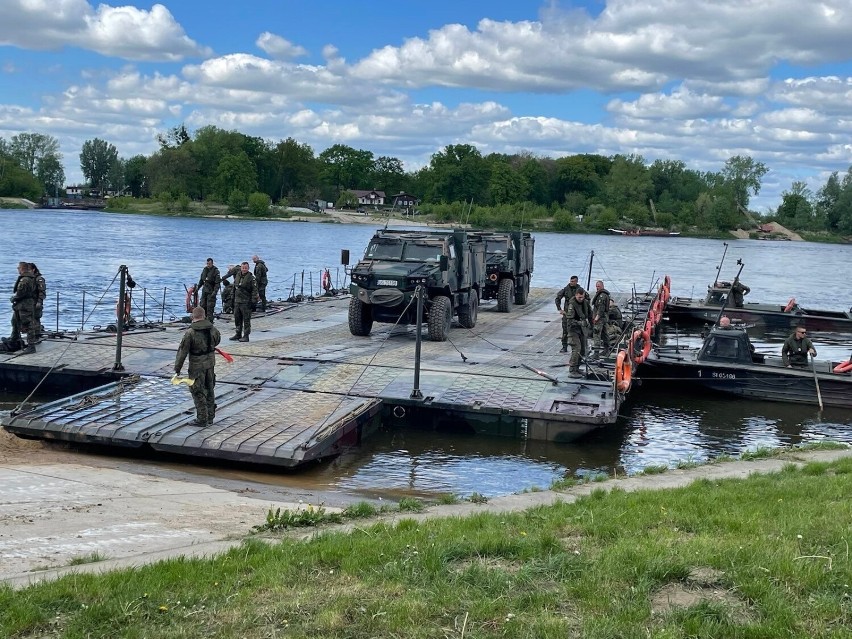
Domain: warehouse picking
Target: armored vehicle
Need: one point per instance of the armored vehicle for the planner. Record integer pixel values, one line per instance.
(450, 265)
(508, 266)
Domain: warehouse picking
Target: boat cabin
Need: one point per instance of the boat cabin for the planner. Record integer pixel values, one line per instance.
(729, 345)
(717, 293)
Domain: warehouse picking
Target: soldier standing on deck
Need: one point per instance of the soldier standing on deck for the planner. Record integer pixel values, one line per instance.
(41, 287)
(567, 294)
(199, 343)
(209, 284)
(23, 301)
(738, 290)
(260, 274)
(600, 316)
(227, 296)
(245, 294)
(578, 317)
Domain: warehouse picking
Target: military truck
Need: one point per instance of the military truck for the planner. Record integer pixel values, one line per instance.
(450, 265)
(508, 266)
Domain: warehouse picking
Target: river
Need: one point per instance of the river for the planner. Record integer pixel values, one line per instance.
(80, 252)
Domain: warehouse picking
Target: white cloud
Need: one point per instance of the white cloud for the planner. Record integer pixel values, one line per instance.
(122, 32)
(278, 47)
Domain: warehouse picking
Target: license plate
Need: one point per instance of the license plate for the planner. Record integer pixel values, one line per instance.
(387, 282)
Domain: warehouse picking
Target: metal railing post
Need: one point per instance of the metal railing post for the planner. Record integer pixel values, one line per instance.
(83, 312)
(163, 311)
(415, 392)
(119, 314)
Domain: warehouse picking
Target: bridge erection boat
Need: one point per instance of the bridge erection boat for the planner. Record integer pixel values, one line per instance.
(727, 363)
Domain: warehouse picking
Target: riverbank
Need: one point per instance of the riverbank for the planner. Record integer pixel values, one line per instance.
(754, 545)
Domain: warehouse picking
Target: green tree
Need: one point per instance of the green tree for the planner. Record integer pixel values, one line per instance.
(296, 168)
(583, 174)
(135, 177)
(744, 176)
(258, 204)
(459, 173)
(629, 186)
(50, 173)
(237, 202)
(388, 175)
(31, 148)
(343, 167)
(171, 171)
(96, 161)
(506, 185)
(796, 209)
(235, 172)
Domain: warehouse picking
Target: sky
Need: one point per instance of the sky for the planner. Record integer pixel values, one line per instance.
(682, 80)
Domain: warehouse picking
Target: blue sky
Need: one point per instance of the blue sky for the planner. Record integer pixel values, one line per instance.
(671, 79)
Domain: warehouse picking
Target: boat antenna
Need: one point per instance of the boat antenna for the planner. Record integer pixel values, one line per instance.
(719, 268)
(728, 296)
(589, 278)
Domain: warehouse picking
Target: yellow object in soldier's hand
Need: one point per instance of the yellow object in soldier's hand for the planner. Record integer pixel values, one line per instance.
(182, 380)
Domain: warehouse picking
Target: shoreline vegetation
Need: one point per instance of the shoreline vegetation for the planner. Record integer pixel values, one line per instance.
(755, 547)
(437, 216)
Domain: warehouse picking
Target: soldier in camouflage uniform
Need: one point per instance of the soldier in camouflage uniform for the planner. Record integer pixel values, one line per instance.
(209, 284)
(579, 318)
(600, 316)
(41, 287)
(23, 311)
(738, 290)
(260, 275)
(199, 343)
(227, 296)
(615, 323)
(245, 294)
(567, 294)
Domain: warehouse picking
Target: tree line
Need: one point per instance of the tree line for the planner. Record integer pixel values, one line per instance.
(458, 184)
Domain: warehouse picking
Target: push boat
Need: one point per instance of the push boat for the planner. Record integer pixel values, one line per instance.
(690, 310)
(727, 363)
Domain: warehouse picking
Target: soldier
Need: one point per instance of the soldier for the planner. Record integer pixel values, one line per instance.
(260, 275)
(568, 294)
(796, 348)
(209, 285)
(615, 323)
(578, 317)
(41, 287)
(227, 296)
(23, 311)
(738, 290)
(199, 342)
(600, 316)
(245, 294)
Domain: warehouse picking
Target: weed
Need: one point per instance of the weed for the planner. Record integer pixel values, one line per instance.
(410, 505)
(301, 518)
(91, 558)
(476, 498)
(654, 469)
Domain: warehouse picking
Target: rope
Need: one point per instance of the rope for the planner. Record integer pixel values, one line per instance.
(93, 400)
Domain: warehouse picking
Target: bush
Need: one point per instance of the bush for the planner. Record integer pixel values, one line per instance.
(183, 202)
(236, 202)
(258, 204)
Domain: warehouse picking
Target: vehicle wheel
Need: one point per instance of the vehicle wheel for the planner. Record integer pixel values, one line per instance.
(440, 316)
(360, 318)
(469, 312)
(505, 295)
(523, 291)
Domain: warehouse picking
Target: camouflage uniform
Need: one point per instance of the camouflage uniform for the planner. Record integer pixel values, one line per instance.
(615, 324)
(227, 296)
(567, 294)
(260, 275)
(245, 294)
(795, 351)
(199, 342)
(578, 317)
(738, 290)
(209, 284)
(41, 288)
(600, 310)
(23, 311)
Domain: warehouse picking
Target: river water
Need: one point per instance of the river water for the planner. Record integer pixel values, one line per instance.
(79, 253)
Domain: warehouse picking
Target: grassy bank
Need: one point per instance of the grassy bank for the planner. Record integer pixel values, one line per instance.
(766, 556)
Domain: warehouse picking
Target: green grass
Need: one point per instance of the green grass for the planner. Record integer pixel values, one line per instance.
(87, 559)
(762, 557)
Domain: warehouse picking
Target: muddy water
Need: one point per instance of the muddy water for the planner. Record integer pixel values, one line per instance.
(81, 251)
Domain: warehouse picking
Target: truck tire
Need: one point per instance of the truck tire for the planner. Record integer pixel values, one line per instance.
(505, 295)
(522, 292)
(440, 316)
(360, 318)
(468, 312)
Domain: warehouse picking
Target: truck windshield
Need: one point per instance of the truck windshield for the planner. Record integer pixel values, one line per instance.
(422, 252)
(384, 251)
(495, 246)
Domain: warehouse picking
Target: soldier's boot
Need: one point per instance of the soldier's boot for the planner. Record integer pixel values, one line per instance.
(574, 372)
(236, 337)
(244, 338)
(564, 348)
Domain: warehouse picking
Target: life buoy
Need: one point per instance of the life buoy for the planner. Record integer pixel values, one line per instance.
(118, 309)
(843, 367)
(623, 372)
(667, 282)
(790, 305)
(190, 292)
(658, 310)
(640, 346)
(326, 280)
(649, 328)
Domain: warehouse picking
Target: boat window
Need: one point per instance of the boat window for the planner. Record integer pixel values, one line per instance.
(722, 347)
(384, 251)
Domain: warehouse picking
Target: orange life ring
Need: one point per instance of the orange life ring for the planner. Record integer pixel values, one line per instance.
(640, 346)
(649, 327)
(790, 305)
(326, 280)
(658, 310)
(667, 282)
(843, 367)
(623, 372)
(189, 298)
(126, 308)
